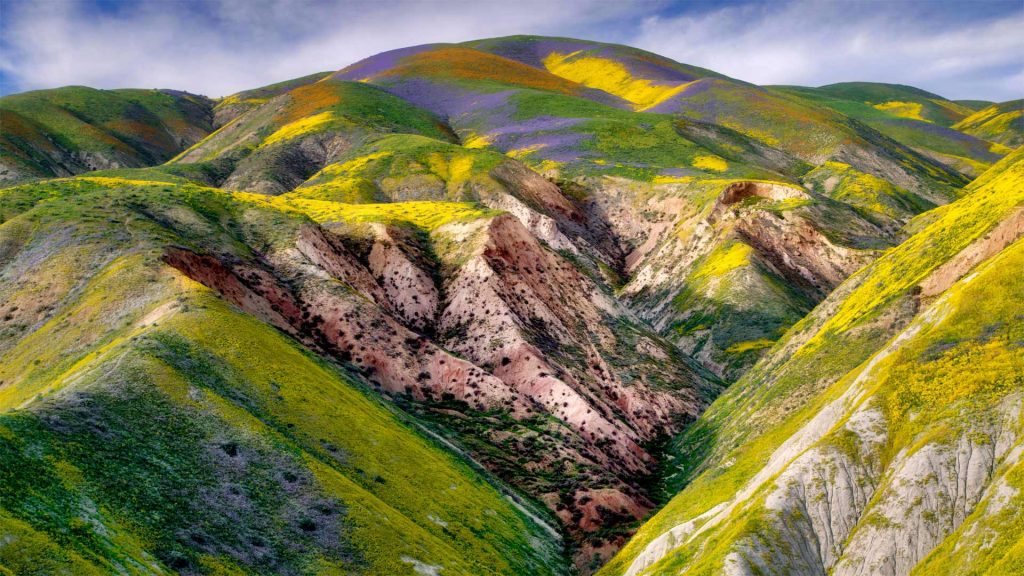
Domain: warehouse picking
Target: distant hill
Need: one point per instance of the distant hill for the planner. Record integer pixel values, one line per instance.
(915, 118)
(1003, 123)
(75, 129)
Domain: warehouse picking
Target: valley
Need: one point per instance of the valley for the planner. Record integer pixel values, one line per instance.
(521, 305)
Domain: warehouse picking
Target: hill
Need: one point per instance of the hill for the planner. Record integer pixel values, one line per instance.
(467, 309)
(75, 129)
(1003, 123)
(921, 121)
(887, 415)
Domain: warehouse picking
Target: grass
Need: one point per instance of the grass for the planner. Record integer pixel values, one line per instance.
(866, 192)
(426, 215)
(899, 100)
(459, 63)
(327, 106)
(405, 167)
(143, 412)
(619, 142)
(961, 223)
(732, 304)
(126, 126)
(961, 364)
(1002, 123)
(258, 96)
(904, 123)
(611, 76)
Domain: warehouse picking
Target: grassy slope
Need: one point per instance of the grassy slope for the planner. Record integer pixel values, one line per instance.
(230, 107)
(275, 146)
(311, 109)
(905, 101)
(403, 167)
(612, 68)
(929, 130)
(137, 127)
(426, 215)
(869, 194)
(140, 410)
(651, 83)
(1002, 122)
(548, 121)
(820, 356)
(614, 142)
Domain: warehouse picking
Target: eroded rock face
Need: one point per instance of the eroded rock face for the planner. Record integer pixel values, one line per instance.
(1008, 231)
(514, 298)
(722, 279)
(336, 322)
(837, 510)
(409, 287)
(800, 252)
(739, 191)
(532, 338)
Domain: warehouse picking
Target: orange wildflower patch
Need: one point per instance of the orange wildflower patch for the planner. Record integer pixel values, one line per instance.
(309, 100)
(475, 65)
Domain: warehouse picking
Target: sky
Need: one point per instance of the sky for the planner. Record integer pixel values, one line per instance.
(958, 49)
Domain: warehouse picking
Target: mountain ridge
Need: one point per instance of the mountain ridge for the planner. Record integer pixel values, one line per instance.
(565, 280)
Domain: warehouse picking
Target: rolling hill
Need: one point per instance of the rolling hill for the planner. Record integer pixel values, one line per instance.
(520, 305)
(75, 129)
(1002, 122)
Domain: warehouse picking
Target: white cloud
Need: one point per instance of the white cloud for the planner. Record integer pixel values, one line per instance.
(953, 50)
(217, 47)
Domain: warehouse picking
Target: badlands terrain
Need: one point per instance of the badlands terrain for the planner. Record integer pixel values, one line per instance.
(520, 305)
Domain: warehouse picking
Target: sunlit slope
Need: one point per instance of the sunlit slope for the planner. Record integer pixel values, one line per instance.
(230, 107)
(404, 167)
(149, 427)
(902, 101)
(930, 134)
(656, 84)
(74, 129)
(548, 121)
(1002, 122)
(274, 146)
(641, 78)
(842, 434)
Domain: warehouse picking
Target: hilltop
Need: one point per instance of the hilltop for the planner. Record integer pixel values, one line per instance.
(484, 308)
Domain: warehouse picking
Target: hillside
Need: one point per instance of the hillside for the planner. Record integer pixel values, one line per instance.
(893, 434)
(484, 308)
(157, 425)
(1002, 122)
(927, 123)
(75, 129)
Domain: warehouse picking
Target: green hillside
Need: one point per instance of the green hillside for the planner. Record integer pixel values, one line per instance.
(150, 427)
(922, 121)
(522, 305)
(74, 129)
(880, 368)
(1002, 122)
(900, 100)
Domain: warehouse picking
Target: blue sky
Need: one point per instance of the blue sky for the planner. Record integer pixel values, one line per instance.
(965, 49)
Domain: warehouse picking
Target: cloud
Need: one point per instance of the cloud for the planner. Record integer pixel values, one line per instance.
(959, 50)
(217, 47)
